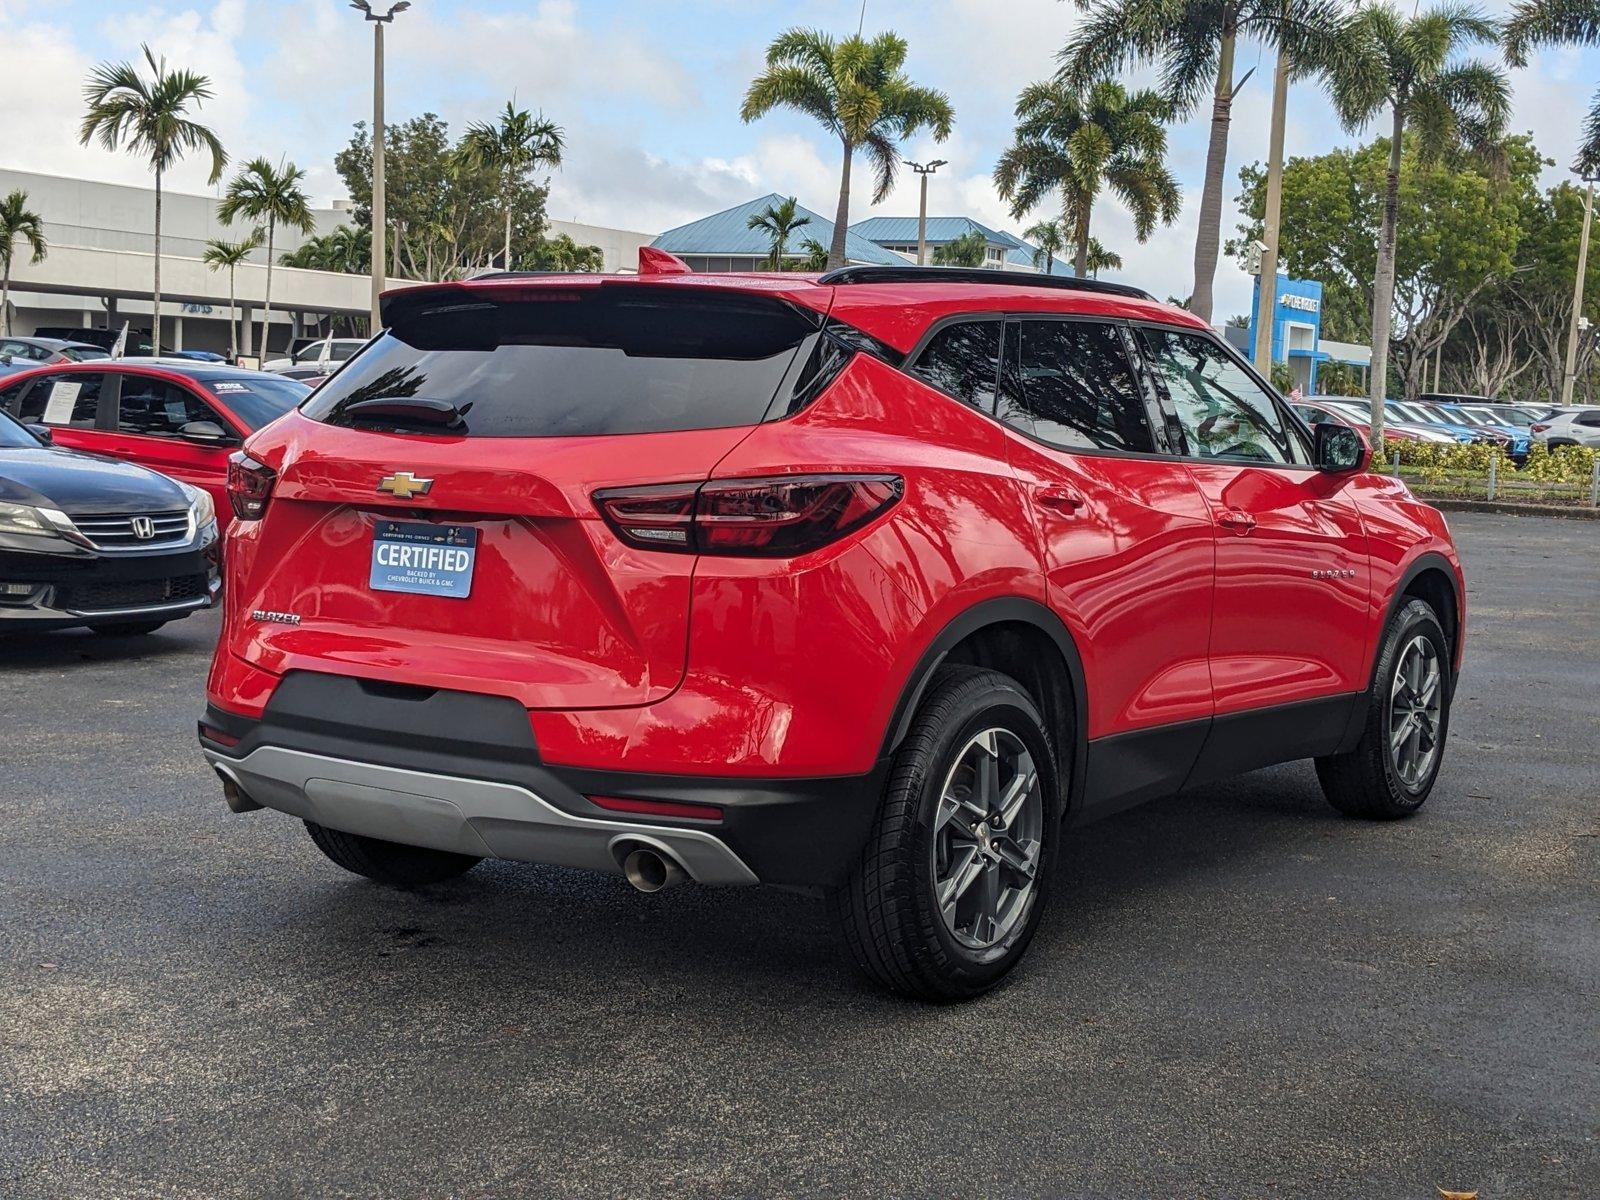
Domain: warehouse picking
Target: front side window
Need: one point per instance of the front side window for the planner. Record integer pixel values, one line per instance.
(1069, 383)
(1223, 411)
(964, 360)
(157, 408)
(63, 400)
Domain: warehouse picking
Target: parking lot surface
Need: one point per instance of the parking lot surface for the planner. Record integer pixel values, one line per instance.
(1237, 993)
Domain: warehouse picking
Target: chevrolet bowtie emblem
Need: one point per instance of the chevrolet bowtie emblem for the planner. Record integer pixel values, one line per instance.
(404, 485)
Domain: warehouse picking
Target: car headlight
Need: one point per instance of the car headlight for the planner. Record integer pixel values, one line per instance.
(26, 521)
(201, 507)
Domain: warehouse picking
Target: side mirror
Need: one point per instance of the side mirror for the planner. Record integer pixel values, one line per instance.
(1340, 449)
(206, 433)
(43, 433)
(5, 360)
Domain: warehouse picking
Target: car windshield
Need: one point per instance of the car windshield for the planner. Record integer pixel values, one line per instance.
(13, 436)
(258, 401)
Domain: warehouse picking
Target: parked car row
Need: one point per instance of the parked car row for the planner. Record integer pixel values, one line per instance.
(1462, 420)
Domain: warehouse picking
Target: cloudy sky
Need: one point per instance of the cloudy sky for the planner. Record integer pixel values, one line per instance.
(648, 92)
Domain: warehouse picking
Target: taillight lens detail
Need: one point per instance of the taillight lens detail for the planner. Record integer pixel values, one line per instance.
(249, 485)
(1540, 427)
(778, 517)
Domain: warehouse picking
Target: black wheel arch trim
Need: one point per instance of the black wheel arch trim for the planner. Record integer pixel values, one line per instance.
(1429, 560)
(997, 611)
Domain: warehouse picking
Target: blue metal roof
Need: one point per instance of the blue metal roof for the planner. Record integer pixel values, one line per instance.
(728, 232)
(902, 231)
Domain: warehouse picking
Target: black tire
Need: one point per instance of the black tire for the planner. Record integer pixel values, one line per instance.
(888, 911)
(389, 862)
(127, 628)
(1366, 782)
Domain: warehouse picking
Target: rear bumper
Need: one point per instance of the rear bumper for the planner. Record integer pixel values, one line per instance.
(465, 816)
(462, 771)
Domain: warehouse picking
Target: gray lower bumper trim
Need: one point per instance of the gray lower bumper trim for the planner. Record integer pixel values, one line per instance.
(466, 816)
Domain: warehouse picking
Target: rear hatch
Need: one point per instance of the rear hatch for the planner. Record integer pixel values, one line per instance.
(432, 521)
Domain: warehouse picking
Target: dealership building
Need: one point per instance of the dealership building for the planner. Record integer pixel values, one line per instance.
(1297, 339)
(101, 267)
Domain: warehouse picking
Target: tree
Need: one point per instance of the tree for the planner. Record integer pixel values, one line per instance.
(968, 250)
(1408, 66)
(219, 254)
(1101, 259)
(149, 117)
(1049, 239)
(261, 192)
(1552, 22)
(446, 216)
(856, 90)
(1081, 141)
(778, 221)
(1465, 221)
(1194, 41)
(344, 248)
(562, 253)
(17, 220)
(816, 258)
(511, 149)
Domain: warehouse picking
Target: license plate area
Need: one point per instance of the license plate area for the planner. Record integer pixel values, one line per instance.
(423, 559)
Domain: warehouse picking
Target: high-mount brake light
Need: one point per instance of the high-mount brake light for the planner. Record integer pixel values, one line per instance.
(249, 486)
(780, 516)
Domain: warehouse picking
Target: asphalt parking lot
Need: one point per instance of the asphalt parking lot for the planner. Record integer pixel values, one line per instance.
(1237, 994)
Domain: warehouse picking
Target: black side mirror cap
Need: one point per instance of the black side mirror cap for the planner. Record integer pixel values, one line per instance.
(1340, 449)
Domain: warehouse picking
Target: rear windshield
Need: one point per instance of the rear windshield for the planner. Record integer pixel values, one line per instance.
(258, 402)
(596, 360)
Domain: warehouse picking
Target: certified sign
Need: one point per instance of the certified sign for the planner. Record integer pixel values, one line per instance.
(423, 559)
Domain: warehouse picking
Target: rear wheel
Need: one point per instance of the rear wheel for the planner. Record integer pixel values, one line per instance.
(389, 862)
(1392, 769)
(955, 875)
(127, 628)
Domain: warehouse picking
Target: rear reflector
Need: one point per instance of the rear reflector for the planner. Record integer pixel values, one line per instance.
(249, 485)
(777, 517)
(211, 733)
(659, 808)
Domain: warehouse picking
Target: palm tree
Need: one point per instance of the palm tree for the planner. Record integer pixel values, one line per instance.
(261, 192)
(150, 118)
(1539, 22)
(968, 250)
(778, 221)
(1049, 239)
(512, 148)
(1081, 141)
(219, 254)
(1194, 41)
(17, 220)
(854, 89)
(344, 248)
(1408, 67)
(1101, 259)
(816, 258)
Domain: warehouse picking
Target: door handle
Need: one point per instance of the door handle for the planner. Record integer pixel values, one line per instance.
(1237, 520)
(1061, 499)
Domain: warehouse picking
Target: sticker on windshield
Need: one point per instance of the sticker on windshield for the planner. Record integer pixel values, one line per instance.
(224, 386)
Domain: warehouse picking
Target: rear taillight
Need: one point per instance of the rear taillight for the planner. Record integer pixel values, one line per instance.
(778, 517)
(249, 485)
(1540, 427)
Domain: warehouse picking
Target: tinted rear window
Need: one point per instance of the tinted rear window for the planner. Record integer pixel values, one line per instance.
(258, 402)
(591, 361)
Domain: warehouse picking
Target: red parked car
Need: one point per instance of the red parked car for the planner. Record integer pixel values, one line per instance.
(872, 584)
(179, 417)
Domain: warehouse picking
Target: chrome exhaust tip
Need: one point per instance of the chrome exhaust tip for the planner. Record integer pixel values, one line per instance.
(238, 801)
(650, 871)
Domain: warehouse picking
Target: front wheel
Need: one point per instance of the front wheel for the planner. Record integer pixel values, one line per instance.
(955, 875)
(1393, 767)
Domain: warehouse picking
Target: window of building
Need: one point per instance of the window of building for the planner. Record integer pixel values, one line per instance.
(1070, 383)
(1223, 411)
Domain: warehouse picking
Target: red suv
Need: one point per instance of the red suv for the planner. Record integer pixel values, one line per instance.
(870, 584)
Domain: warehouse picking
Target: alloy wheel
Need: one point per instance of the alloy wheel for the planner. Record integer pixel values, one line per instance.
(1416, 701)
(987, 839)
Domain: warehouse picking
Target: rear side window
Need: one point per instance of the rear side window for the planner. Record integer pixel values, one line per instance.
(1070, 383)
(63, 400)
(595, 360)
(964, 360)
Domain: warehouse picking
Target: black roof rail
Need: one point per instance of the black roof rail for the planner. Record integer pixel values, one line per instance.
(911, 274)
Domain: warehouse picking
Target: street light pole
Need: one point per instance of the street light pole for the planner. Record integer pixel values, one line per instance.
(379, 216)
(924, 170)
(1267, 282)
(1570, 376)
